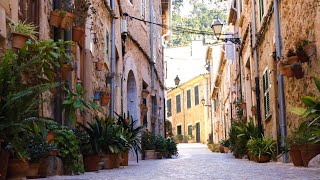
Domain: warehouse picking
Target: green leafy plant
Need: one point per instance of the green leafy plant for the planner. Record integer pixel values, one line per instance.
(75, 101)
(22, 27)
(171, 148)
(180, 137)
(261, 146)
(147, 141)
(160, 144)
(81, 12)
(225, 142)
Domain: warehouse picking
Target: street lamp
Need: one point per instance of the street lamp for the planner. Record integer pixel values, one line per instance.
(176, 80)
(216, 26)
(203, 103)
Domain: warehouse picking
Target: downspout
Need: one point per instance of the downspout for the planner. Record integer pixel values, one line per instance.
(282, 109)
(256, 72)
(152, 56)
(113, 52)
(58, 98)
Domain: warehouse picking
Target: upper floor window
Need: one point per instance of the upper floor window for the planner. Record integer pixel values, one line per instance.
(266, 93)
(189, 98)
(143, 9)
(29, 11)
(178, 103)
(196, 95)
(169, 110)
(261, 9)
(107, 45)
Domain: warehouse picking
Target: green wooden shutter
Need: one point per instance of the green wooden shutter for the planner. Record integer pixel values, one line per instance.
(189, 98)
(190, 130)
(179, 130)
(196, 95)
(178, 103)
(266, 94)
(169, 108)
(261, 9)
(107, 45)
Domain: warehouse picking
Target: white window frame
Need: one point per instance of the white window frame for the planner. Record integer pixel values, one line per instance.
(266, 84)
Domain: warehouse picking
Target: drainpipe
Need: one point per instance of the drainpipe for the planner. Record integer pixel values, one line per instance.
(256, 72)
(113, 53)
(282, 109)
(58, 98)
(152, 56)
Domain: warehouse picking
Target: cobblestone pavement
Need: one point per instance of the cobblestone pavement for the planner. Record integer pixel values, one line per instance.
(195, 161)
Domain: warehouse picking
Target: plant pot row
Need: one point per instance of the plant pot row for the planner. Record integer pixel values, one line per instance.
(109, 161)
(152, 154)
(302, 154)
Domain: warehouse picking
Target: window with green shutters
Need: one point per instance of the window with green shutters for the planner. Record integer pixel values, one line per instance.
(189, 98)
(196, 95)
(179, 130)
(169, 110)
(178, 103)
(266, 93)
(107, 45)
(190, 130)
(261, 9)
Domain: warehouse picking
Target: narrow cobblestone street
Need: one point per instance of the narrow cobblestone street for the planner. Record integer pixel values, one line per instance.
(195, 161)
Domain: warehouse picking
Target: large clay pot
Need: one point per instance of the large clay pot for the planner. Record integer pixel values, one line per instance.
(158, 155)
(19, 40)
(226, 149)
(91, 162)
(17, 169)
(55, 19)
(286, 71)
(125, 158)
(77, 33)
(4, 158)
(262, 159)
(105, 99)
(295, 155)
(221, 149)
(116, 158)
(149, 154)
(107, 161)
(292, 59)
(309, 151)
(33, 171)
(112, 161)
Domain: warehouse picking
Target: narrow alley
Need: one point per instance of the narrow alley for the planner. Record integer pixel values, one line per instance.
(196, 161)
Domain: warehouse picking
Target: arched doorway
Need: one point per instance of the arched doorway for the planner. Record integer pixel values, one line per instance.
(132, 96)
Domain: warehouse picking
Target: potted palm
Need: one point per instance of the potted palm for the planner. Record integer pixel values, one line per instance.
(261, 149)
(21, 32)
(81, 13)
(225, 143)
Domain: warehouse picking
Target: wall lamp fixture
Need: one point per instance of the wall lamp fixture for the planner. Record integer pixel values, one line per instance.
(217, 28)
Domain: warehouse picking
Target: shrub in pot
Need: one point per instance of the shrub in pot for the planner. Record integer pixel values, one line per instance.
(171, 148)
(21, 32)
(261, 149)
(81, 12)
(225, 144)
(147, 144)
(62, 17)
(160, 146)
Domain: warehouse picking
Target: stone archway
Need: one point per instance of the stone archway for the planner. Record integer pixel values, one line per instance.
(132, 96)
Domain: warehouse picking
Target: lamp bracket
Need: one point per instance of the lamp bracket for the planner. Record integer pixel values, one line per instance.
(233, 40)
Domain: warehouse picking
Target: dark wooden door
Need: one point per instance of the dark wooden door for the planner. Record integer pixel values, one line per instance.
(197, 132)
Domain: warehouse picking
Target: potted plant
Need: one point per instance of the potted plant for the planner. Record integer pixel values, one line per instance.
(292, 56)
(179, 138)
(285, 69)
(303, 57)
(91, 141)
(99, 65)
(21, 32)
(132, 135)
(81, 13)
(147, 144)
(171, 148)
(225, 145)
(160, 146)
(105, 98)
(62, 17)
(262, 149)
(75, 101)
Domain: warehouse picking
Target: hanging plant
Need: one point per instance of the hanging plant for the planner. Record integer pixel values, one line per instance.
(81, 12)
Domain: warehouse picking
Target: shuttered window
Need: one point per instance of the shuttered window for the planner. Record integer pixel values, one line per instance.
(190, 130)
(178, 103)
(266, 93)
(189, 98)
(169, 111)
(261, 9)
(196, 95)
(179, 130)
(107, 45)
(29, 11)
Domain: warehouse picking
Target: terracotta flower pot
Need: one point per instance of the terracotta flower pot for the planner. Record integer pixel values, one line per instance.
(50, 137)
(226, 149)
(77, 33)
(91, 162)
(67, 20)
(33, 171)
(111, 161)
(286, 71)
(262, 159)
(243, 105)
(99, 65)
(105, 100)
(55, 19)
(4, 158)
(310, 49)
(221, 149)
(17, 169)
(19, 40)
(149, 154)
(292, 59)
(309, 151)
(66, 69)
(295, 155)
(125, 158)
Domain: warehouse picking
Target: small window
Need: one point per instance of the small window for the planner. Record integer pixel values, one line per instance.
(266, 93)
(107, 45)
(189, 98)
(261, 9)
(190, 130)
(196, 95)
(169, 111)
(179, 130)
(178, 103)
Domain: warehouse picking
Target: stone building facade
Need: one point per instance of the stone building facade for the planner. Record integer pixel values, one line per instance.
(256, 60)
(132, 72)
(189, 111)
